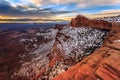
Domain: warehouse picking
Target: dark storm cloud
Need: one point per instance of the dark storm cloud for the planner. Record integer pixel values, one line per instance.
(8, 10)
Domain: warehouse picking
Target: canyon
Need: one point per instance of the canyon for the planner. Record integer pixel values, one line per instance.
(85, 49)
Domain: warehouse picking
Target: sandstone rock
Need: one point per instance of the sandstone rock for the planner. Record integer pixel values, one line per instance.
(72, 45)
(79, 21)
(83, 21)
(103, 64)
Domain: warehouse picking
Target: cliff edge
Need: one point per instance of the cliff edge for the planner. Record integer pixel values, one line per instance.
(102, 64)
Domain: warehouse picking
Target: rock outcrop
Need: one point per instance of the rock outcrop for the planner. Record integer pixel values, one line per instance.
(103, 64)
(71, 46)
(83, 21)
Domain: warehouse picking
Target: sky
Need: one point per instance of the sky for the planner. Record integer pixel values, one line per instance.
(57, 9)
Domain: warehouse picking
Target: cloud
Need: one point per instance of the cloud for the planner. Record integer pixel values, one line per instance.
(81, 3)
(20, 10)
(104, 13)
(110, 11)
(56, 8)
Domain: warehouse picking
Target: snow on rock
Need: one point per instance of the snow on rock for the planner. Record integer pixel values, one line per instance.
(60, 48)
(111, 19)
(117, 40)
(73, 44)
(78, 40)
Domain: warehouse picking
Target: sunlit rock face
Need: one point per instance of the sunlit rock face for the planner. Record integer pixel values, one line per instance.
(80, 21)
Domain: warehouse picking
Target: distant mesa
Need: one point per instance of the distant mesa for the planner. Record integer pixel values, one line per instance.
(81, 21)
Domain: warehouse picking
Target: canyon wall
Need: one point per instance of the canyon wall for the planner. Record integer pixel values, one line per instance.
(103, 64)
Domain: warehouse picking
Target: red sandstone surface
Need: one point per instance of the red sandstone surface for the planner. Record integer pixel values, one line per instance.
(80, 21)
(102, 64)
(38, 75)
(55, 55)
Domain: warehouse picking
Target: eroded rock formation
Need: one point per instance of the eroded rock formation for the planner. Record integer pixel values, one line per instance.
(103, 64)
(64, 53)
(83, 21)
(72, 45)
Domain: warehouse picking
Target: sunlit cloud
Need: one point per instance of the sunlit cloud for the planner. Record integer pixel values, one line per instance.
(104, 13)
